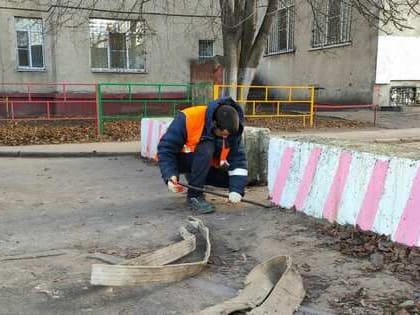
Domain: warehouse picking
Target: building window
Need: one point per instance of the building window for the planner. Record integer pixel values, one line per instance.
(117, 45)
(205, 49)
(404, 96)
(29, 40)
(332, 23)
(281, 37)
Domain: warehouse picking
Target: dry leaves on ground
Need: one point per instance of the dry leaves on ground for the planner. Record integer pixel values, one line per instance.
(360, 302)
(55, 132)
(383, 254)
(296, 124)
(379, 249)
(13, 133)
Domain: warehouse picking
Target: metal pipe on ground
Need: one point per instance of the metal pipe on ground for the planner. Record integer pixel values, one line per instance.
(212, 192)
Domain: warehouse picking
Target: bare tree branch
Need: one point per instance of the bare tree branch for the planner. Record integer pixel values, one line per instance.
(244, 33)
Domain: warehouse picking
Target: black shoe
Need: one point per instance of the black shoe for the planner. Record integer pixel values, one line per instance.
(200, 204)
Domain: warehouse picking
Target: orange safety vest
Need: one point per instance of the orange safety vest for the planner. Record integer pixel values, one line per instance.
(195, 120)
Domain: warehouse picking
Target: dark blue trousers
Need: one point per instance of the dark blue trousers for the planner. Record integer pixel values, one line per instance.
(198, 169)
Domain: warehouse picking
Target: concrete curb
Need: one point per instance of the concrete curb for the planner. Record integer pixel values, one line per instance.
(44, 154)
(378, 193)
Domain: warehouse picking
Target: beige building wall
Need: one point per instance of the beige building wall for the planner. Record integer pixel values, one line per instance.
(170, 45)
(345, 74)
(8, 53)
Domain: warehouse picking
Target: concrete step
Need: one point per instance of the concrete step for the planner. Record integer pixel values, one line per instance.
(411, 108)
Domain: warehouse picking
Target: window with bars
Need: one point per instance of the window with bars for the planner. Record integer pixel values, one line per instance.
(205, 49)
(404, 96)
(117, 45)
(281, 36)
(29, 40)
(332, 22)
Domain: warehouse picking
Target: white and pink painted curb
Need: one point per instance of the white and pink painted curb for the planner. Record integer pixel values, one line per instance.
(377, 193)
(151, 130)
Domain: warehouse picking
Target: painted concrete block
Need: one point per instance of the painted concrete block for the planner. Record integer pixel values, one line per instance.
(377, 193)
(256, 142)
(151, 130)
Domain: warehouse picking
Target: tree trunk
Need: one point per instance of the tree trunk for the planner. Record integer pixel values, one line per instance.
(252, 58)
(243, 42)
(246, 76)
(231, 66)
(229, 15)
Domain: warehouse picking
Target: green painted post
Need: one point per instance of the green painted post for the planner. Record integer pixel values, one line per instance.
(173, 109)
(189, 92)
(159, 87)
(100, 111)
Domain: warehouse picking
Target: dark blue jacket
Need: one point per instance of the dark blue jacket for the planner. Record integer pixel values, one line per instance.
(173, 140)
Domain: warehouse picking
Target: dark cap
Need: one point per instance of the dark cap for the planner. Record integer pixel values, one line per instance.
(226, 117)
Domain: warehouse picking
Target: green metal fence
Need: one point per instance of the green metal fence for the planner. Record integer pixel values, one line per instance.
(133, 101)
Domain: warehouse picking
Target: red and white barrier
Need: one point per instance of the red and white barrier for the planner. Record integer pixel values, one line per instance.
(377, 193)
(151, 130)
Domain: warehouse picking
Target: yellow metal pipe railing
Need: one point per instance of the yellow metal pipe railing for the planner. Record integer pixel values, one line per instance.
(290, 99)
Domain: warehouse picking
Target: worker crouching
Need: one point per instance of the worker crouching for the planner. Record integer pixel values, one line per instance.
(205, 144)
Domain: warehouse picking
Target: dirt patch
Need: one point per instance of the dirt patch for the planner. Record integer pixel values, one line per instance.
(14, 133)
(296, 124)
(383, 256)
(56, 132)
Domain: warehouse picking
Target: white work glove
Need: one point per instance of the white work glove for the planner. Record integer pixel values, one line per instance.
(174, 186)
(234, 197)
